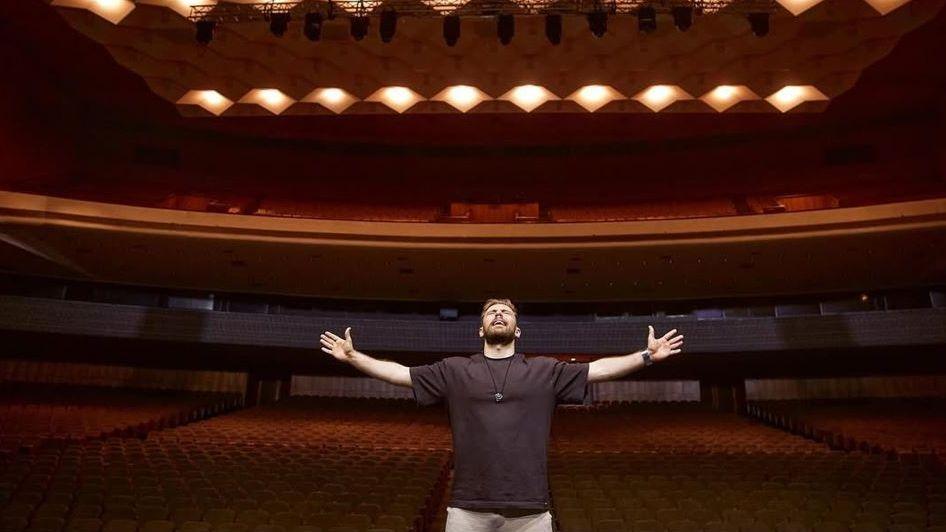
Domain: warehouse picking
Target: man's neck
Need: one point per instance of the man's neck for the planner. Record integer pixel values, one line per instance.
(499, 350)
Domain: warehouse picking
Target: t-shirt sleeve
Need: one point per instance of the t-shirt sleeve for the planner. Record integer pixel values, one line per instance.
(570, 380)
(429, 383)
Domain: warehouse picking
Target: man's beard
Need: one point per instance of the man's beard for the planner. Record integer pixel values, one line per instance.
(499, 337)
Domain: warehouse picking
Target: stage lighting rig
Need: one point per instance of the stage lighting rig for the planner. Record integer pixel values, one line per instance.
(553, 28)
(205, 31)
(388, 24)
(505, 27)
(451, 29)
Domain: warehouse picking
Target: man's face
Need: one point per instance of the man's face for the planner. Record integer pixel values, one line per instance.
(499, 325)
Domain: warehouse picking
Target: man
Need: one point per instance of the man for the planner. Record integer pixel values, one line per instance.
(500, 406)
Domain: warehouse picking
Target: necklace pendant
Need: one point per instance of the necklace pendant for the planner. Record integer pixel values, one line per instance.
(499, 397)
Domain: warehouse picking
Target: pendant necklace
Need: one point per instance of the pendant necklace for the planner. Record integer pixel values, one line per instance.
(499, 395)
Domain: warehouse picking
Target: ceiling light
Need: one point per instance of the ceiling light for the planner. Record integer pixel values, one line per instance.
(388, 24)
(657, 97)
(791, 96)
(528, 97)
(210, 100)
(646, 19)
(312, 26)
(332, 98)
(553, 28)
(682, 17)
(886, 6)
(598, 23)
(505, 27)
(759, 22)
(462, 97)
(725, 96)
(111, 10)
(183, 8)
(451, 29)
(797, 7)
(205, 31)
(279, 22)
(593, 97)
(273, 100)
(398, 98)
(359, 27)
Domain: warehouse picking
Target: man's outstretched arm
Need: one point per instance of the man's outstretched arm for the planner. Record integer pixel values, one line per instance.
(610, 368)
(343, 349)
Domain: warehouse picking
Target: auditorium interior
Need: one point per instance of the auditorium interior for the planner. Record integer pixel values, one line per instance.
(192, 190)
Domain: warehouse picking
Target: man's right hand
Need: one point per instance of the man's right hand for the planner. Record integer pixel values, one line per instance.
(340, 348)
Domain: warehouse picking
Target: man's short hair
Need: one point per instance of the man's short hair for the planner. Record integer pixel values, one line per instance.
(491, 302)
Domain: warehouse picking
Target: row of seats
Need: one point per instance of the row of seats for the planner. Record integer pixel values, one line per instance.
(300, 466)
(896, 426)
(685, 467)
(32, 414)
(343, 465)
(330, 422)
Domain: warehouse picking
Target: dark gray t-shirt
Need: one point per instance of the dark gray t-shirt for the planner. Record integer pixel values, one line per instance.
(500, 449)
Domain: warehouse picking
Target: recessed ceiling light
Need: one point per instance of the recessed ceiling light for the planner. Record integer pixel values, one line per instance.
(594, 97)
(210, 100)
(886, 6)
(273, 100)
(462, 97)
(725, 96)
(528, 97)
(111, 10)
(791, 96)
(181, 7)
(797, 7)
(332, 98)
(657, 97)
(398, 98)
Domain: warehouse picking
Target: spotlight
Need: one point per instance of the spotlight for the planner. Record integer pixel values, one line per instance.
(759, 23)
(553, 28)
(682, 17)
(278, 22)
(598, 23)
(359, 27)
(646, 19)
(312, 26)
(505, 27)
(451, 29)
(205, 31)
(388, 25)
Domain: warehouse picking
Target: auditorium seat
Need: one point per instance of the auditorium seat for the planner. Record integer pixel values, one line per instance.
(679, 466)
(911, 427)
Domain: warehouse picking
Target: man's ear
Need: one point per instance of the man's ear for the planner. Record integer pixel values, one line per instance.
(518, 332)
(481, 332)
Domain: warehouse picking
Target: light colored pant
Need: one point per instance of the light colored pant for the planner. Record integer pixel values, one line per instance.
(461, 520)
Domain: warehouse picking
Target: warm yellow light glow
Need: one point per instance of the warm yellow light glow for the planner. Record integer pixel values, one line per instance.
(442, 8)
(210, 100)
(797, 7)
(885, 6)
(528, 97)
(332, 98)
(181, 7)
(791, 96)
(593, 97)
(398, 98)
(726, 96)
(463, 97)
(111, 10)
(273, 100)
(657, 97)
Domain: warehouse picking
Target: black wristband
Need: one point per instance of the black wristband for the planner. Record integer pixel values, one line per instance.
(647, 358)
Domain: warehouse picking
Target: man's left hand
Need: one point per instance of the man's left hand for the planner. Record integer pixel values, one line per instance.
(664, 346)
